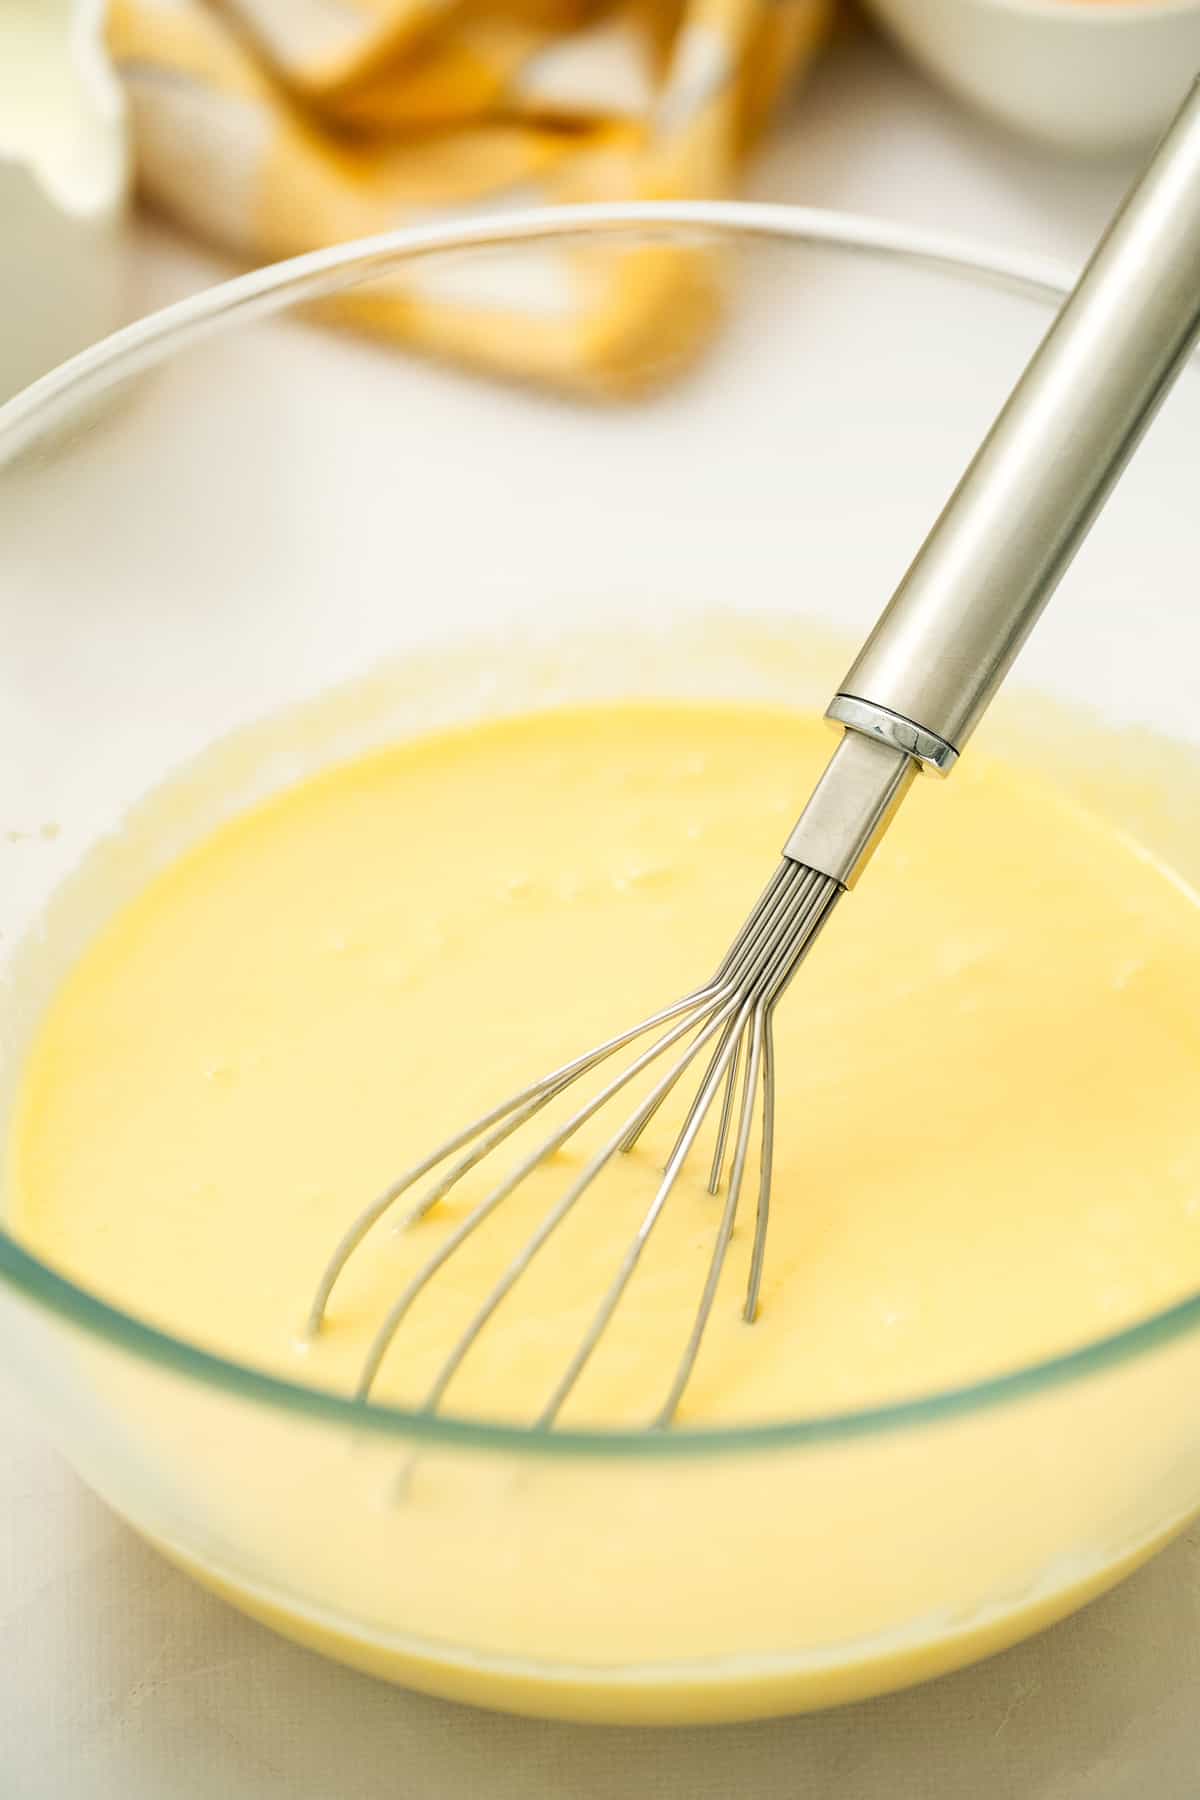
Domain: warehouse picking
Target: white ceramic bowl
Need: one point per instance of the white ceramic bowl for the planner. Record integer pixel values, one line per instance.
(1085, 75)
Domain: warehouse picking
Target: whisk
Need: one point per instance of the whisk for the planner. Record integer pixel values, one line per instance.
(910, 701)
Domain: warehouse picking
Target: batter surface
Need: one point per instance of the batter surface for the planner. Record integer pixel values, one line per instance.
(987, 1071)
(986, 1152)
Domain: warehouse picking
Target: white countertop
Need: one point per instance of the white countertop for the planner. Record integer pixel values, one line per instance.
(122, 1681)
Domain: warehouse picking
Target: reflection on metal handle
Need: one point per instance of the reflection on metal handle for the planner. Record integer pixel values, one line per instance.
(951, 631)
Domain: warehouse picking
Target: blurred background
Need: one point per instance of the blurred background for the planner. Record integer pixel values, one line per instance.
(151, 147)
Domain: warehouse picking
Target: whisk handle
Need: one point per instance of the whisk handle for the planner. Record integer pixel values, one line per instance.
(950, 633)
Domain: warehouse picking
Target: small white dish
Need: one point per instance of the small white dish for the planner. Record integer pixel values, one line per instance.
(1086, 75)
(64, 179)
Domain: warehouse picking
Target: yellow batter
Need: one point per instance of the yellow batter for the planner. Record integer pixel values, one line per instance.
(986, 1150)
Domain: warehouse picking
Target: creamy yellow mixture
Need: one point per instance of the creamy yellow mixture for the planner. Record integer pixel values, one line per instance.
(987, 1074)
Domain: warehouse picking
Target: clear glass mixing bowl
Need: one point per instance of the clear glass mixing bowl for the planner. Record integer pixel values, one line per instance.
(229, 513)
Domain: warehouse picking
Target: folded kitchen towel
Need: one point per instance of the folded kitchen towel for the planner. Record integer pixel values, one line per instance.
(273, 127)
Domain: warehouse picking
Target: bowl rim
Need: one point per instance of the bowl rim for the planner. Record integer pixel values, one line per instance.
(40, 408)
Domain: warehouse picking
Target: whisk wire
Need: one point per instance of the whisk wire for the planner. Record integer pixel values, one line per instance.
(524, 1168)
(547, 1086)
(633, 1254)
(717, 1166)
(735, 1008)
(517, 1267)
(738, 957)
(765, 1160)
(729, 1215)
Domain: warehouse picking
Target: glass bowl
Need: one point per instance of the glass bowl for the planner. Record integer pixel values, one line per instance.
(235, 544)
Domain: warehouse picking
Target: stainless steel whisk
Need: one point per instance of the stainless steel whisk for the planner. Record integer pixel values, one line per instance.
(911, 699)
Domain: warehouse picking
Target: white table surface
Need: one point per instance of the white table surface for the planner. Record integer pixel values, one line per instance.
(119, 1680)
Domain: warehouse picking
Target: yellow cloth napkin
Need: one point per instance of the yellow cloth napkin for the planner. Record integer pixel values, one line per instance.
(277, 126)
